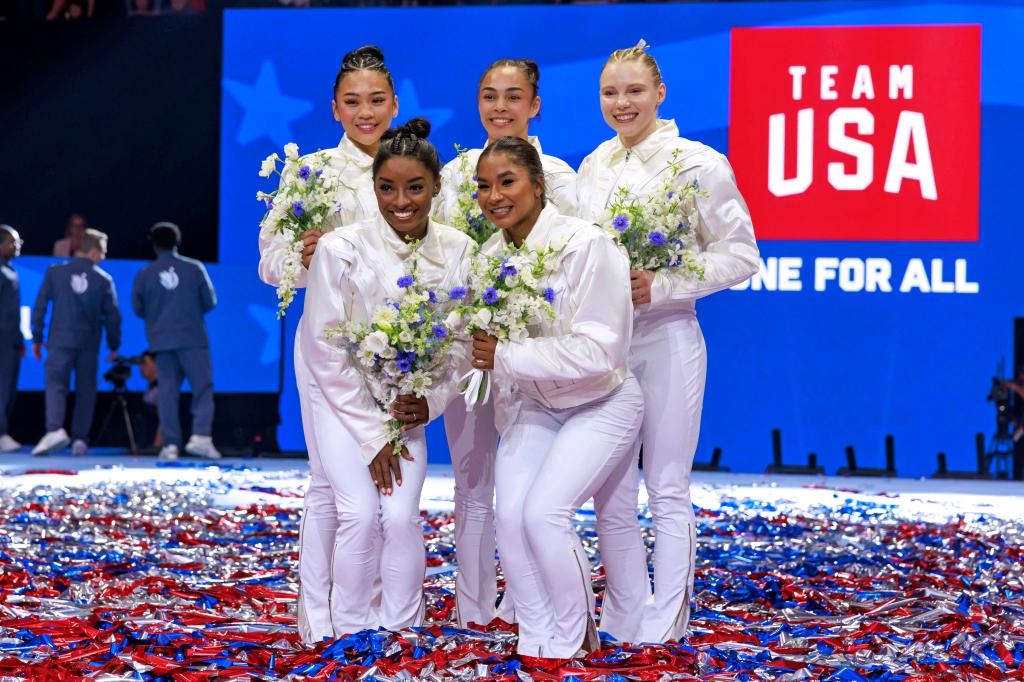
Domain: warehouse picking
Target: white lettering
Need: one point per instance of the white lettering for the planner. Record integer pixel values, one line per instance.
(778, 184)
(901, 78)
(915, 277)
(828, 82)
(860, 150)
(863, 86)
(824, 271)
(797, 72)
(910, 128)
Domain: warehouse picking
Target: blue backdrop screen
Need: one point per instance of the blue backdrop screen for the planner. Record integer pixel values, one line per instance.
(807, 346)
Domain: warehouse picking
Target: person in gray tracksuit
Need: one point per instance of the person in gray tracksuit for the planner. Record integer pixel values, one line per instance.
(172, 295)
(12, 344)
(84, 305)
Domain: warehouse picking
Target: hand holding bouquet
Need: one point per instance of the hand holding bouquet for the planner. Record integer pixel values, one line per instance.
(304, 199)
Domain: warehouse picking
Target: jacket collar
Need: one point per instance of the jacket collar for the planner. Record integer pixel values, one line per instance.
(664, 132)
(532, 139)
(354, 154)
(540, 235)
(430, 249)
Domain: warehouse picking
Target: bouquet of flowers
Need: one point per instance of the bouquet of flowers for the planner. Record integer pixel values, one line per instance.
(306, 196)
(470, 218)
(507, 298)
(405, 348)
(656, 230)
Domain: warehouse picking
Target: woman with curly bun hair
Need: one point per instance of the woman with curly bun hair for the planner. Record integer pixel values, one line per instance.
(375, 491)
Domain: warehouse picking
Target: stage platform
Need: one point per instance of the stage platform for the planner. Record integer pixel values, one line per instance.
(117, 567)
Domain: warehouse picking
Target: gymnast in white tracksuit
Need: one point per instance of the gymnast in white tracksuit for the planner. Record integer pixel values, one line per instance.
(667, 355)
(376, 493)
(568, 409)
(507, 98)
(364, 103)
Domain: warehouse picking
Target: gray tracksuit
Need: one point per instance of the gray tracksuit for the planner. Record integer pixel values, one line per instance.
(12, 343)
(84, 304)
(172, 295)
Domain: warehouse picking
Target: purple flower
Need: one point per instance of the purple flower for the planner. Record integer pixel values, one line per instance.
(405, 281)
(620, 223)
(474, 195)
(269, 201)
(304, 172)
(506, 270)
(671, 194)
(656, 238)
(490, 295)
(696, 184)
(298, 209)
(320, 172)
(405, 361)
(457, 293)
(440, 332)
(431, 296)
(549, 294)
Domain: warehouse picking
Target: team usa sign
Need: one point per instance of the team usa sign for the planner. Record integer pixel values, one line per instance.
(866, 133)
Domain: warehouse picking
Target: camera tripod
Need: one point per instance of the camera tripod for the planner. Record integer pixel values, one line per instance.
(1000, 453)
(120, 402)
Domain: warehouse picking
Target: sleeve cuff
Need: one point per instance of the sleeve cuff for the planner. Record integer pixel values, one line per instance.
(661, 289)
(503, 354)
(369, 450)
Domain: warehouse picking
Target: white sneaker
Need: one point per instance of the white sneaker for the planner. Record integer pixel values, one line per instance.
(168, 453)
(51, 441)
(201, 446)
(79, 448)
(8, 444)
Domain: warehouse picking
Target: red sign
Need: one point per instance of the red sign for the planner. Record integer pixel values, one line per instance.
(858, 133)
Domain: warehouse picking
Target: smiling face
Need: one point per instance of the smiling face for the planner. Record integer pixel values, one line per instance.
(364, 105)
(630, 99)
(507, 102)
(508, 196)
(404, 188)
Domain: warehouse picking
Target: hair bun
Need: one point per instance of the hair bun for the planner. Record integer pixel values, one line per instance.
(362, 56)
(419, 126)
(532, 67)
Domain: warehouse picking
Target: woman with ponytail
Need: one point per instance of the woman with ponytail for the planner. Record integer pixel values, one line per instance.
(508, 97)
(375, 491)
(364, 103)
(667, 354)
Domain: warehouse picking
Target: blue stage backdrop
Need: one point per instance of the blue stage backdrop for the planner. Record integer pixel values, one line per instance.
(891, 245)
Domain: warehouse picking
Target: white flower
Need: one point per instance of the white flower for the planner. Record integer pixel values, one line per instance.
(269, 165)
(454, 320)
(291, 151)
(384, 316)
(376, 342)
(481, 318)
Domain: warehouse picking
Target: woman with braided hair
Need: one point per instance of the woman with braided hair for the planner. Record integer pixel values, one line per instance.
(376, 491)
(364, 103)
(508, 98)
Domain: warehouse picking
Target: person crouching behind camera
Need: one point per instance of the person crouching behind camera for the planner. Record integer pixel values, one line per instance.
(84, 304)
(172, 295)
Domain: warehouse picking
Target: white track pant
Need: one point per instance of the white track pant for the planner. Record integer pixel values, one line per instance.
(669, 360)
(473, 444)
(378, 537)
(549, 463)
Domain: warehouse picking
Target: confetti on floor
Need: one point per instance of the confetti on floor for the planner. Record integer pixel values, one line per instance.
(189, 573)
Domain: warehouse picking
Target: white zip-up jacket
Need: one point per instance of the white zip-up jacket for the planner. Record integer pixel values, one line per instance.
(725, 235)
(354, 271)
(581, 355)
(559, 182)
(356, 201)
